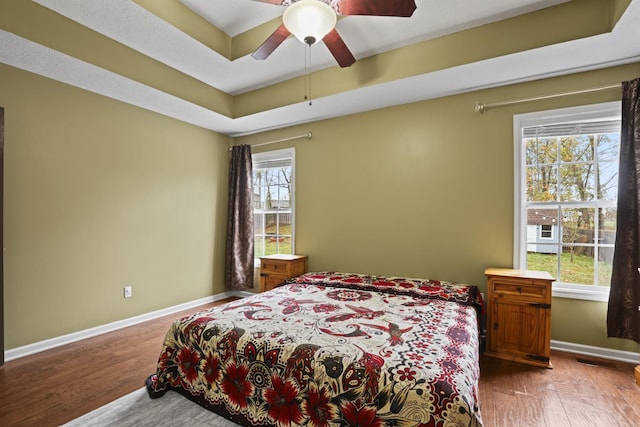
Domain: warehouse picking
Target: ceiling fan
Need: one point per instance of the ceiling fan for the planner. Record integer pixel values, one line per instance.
(313, 20)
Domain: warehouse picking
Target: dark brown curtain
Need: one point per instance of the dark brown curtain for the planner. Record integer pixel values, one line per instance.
(239, 255)
(623, 315)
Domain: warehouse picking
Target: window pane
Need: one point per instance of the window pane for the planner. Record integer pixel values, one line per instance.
(542, 252)
(271, 245)
(608, 181)
(541, 183)
(607, 226)
(258, 223)
(541, 151)
(542, 229)
(578, 225)
(607, 238)
(605, 263)
(283, 245)
(270, 226)
(577, 182)
(283, 196)
(543, 262)
(577, 148)
(259, 246)
(576, 265)
(608, 146)
(285, 176)
(257, 178)
(259, 197)
(284, 224)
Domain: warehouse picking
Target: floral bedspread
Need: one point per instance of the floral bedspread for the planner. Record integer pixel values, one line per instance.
(332, 349)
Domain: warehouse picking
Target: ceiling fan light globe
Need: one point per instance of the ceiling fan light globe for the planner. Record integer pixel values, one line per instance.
(309, 20)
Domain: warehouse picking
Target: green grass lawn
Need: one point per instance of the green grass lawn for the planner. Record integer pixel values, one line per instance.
(578, 271)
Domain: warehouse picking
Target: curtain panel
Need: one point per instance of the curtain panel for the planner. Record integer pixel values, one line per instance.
(623, 315)
(239, 248)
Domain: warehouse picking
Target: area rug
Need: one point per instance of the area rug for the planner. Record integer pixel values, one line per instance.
(139, 410)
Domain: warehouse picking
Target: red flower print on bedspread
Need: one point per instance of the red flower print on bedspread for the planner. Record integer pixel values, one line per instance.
(354, 416)
(236, 385)
(188, 361)
(211, 369)
(332, 350)
(284, 403)
(318, 407)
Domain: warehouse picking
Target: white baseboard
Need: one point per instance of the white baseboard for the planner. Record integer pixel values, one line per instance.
(241, 294)
(48, 344)
(601, 352)
(18, 352)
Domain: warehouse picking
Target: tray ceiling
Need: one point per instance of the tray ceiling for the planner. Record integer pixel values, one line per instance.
(145, 29)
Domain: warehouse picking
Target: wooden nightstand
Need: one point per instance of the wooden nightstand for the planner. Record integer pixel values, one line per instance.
(519, 315)
(275, 269)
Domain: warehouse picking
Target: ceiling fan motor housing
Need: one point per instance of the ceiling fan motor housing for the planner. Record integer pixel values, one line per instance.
(309, 20)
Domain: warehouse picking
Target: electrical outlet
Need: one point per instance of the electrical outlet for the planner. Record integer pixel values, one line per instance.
(127, 291)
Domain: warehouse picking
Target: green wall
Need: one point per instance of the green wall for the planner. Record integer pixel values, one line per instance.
(427, 190)
(99, 194)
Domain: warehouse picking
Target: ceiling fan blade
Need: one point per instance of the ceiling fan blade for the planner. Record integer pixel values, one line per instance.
(271, 43)
(338, 49)
(402, 8)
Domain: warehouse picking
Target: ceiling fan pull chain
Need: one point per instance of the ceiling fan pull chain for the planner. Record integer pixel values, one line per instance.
(307, 69)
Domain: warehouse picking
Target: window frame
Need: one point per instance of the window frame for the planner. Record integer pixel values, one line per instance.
(606, 110)
(273, 155)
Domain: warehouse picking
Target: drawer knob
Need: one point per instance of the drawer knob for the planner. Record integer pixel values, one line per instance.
(519, 289)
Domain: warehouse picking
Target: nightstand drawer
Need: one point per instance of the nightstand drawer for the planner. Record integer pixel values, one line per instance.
(275, 266)
(519, 289)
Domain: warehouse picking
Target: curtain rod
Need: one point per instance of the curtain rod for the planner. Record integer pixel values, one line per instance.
(481, 107)
(307, 135)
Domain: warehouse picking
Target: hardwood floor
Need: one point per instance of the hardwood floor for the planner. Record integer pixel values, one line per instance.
(579, 392)
(56, 386)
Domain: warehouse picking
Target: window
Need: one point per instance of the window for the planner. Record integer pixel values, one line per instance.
(546, 231)
(566, 187)
(273, 202)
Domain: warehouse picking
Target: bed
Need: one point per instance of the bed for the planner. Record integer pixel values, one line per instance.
(332, 349)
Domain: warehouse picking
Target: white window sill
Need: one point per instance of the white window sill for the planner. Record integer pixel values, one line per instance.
(589, 294)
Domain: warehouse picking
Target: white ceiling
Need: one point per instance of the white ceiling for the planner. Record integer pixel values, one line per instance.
(130, 24)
